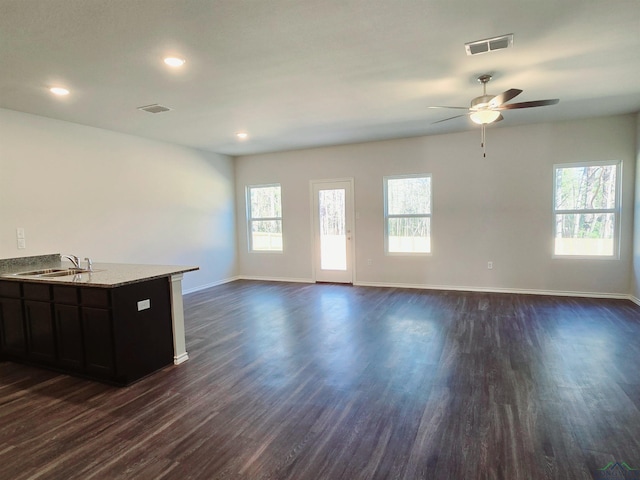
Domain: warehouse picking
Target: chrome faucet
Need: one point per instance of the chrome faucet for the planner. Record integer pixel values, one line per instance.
(72, 258)
(89, 264)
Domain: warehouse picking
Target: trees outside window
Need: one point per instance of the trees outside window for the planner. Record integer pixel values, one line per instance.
(586, 208)
(408, 214)
(264, 216)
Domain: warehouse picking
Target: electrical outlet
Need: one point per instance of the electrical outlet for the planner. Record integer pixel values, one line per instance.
(144, 305)
(369, 261)
(490, 265)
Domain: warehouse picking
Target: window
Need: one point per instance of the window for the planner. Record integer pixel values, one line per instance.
(586, 208)
(264, 214)
(407, 214)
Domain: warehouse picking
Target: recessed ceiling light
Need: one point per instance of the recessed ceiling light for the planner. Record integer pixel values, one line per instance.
(59, 91)
(174, 61)
(242, 135)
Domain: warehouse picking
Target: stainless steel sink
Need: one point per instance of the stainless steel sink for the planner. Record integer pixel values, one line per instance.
(68, 271)
(46, 271)
(51, 272)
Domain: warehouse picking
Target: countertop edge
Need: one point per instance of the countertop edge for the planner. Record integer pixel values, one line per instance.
(105, 275)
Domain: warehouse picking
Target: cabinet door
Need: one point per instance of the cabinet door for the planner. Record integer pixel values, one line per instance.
(69, 341)
(98, 341)
(12, 335)
(40, 339)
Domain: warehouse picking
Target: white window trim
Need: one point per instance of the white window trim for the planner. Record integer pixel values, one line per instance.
(387, 216)
(616, 210)
(250, 219)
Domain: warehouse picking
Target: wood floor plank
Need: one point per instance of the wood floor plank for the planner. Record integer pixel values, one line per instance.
(297, 381)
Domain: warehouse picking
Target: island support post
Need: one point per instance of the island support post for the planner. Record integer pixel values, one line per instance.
(177, 313)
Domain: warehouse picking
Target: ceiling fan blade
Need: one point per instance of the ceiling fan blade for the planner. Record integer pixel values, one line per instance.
(504, 97)
(457, 108)
(534, 103)
(450, 118)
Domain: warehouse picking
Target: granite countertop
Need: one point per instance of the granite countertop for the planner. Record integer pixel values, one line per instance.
(106, 275)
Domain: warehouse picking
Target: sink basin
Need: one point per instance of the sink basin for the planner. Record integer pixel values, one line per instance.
(68, 271)
(46, 271)
(52, 272)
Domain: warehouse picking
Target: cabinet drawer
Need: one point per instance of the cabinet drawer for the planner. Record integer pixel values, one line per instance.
(10, 289)
(94, 297)
(37, 291)
(65, 294)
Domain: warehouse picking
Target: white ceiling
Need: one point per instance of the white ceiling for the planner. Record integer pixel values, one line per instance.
(305, 73)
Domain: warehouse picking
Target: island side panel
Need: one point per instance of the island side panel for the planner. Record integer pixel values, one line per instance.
(142, 329)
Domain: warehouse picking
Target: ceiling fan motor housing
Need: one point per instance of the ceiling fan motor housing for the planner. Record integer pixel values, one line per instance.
(481, 102)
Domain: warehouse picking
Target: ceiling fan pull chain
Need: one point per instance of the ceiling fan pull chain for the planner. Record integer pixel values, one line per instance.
(483, 141)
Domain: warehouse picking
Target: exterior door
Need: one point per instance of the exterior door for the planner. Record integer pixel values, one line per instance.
(333, 230)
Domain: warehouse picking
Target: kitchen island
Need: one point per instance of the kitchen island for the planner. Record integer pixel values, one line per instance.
(116, 323)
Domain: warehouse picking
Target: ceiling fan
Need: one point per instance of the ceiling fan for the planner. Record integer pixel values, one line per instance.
(486, 109)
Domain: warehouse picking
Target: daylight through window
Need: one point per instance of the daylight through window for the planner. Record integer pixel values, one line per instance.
(586, 207)
(264, 215)
(408, 214)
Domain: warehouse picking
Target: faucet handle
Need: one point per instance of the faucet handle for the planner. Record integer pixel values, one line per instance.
(89, 264)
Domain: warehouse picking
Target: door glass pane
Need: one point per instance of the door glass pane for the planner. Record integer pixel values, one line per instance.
(333, 240)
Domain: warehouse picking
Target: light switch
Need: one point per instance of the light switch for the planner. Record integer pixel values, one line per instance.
(144, 304)
(22, 243)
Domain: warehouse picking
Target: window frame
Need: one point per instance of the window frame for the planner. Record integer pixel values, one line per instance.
(251, 219)
(387, 216)
(616, 210)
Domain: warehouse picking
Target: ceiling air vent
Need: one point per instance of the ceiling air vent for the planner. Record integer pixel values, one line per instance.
(489, 44)
(155, 108)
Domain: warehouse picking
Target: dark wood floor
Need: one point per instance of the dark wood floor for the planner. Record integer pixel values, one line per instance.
(295, 381)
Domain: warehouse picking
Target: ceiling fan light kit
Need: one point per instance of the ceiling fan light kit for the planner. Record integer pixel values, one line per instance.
(486, 109)
(484, 116)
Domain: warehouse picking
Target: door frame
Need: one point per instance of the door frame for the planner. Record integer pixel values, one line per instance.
(350, 213)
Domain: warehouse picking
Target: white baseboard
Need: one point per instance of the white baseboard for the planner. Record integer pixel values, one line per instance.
(180, 358)
(557, 293)
(209, 285)
(276, 279)
(245, 277)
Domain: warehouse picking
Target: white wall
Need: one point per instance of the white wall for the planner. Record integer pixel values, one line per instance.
(115, 198)
(496, 209)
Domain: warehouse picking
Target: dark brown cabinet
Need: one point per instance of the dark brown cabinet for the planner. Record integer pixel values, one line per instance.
(117, 335)
(69, 337)
(84, 334)
(12, 334)
(98, 341)
(39, 326)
